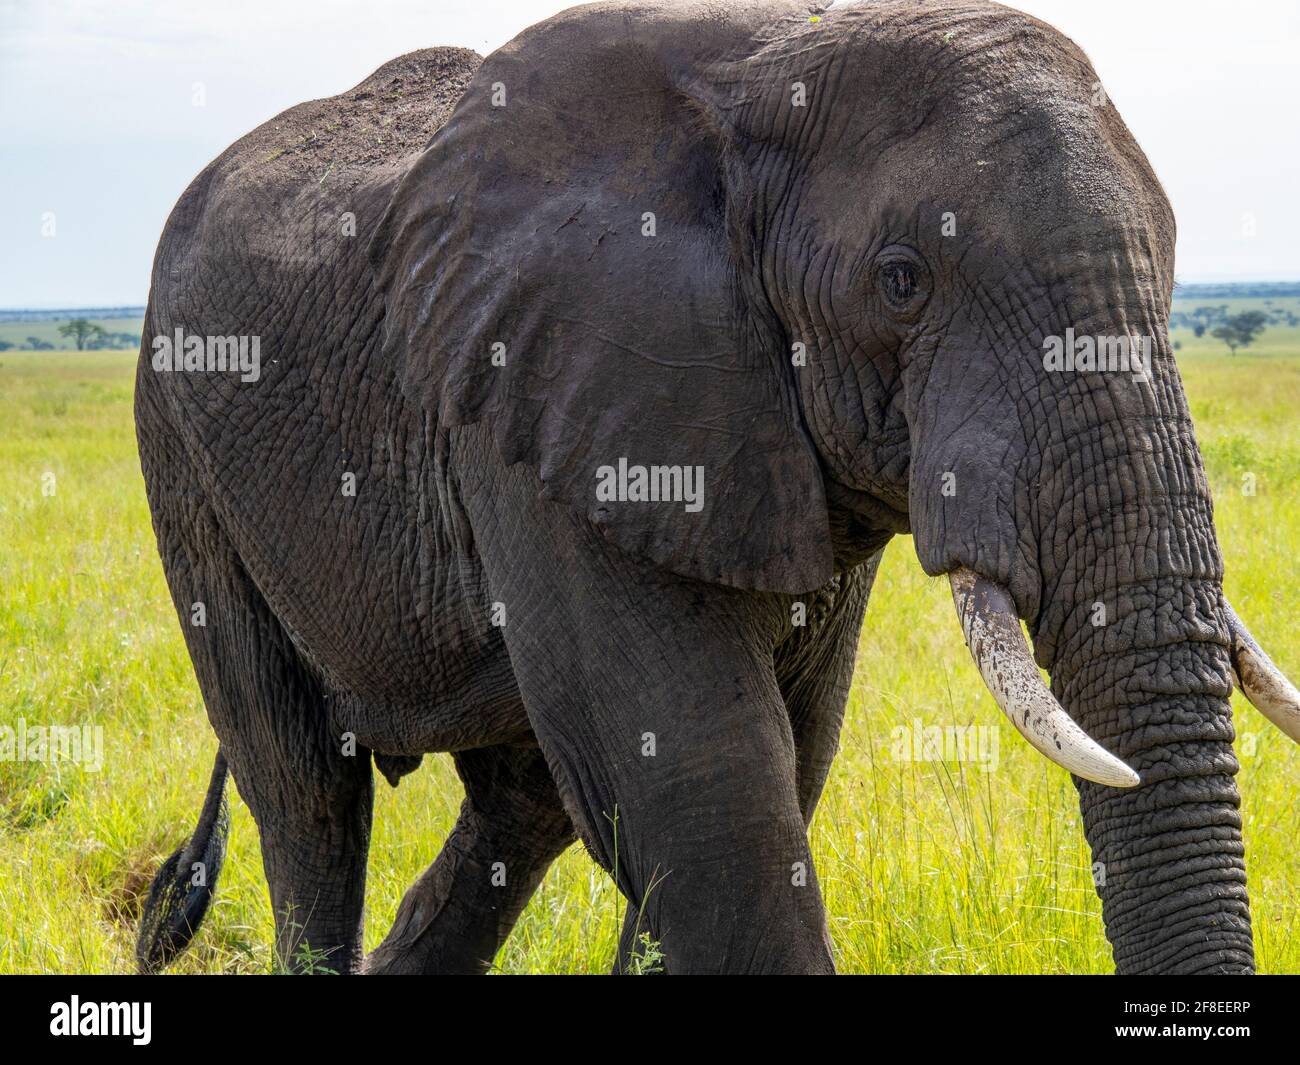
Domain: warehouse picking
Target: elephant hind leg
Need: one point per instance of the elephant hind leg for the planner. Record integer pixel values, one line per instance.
(309, 793)
(511, 827)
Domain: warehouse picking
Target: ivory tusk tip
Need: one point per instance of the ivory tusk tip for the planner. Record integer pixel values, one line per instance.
(1123, 777)
(1261, 681)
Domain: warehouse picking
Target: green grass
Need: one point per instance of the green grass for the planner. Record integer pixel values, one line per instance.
(927, 867)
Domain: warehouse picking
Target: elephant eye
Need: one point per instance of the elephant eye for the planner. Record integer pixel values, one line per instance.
(899, 281)
(902, 281)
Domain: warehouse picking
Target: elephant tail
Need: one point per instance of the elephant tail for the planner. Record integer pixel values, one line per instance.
(182, 890)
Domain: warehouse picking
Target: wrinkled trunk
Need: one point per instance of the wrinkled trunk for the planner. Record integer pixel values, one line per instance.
(1133, 631)
(1169, 860)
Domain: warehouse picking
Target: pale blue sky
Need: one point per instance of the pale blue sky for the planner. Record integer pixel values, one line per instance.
(97, 124)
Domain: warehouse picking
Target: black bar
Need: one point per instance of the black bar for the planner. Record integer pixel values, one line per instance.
(324, 1014)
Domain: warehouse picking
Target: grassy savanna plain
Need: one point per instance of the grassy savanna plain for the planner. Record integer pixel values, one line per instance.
(926, 866)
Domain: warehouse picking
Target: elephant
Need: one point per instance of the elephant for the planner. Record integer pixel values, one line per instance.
(552, 410)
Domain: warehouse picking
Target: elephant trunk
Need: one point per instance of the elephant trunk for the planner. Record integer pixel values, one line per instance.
(1168, 857)
(1135, 632)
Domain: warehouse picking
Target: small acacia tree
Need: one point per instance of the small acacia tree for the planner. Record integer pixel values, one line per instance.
(1240, 330)
(82, 331)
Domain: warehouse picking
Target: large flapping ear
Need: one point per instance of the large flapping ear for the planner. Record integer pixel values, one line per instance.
(562, 262)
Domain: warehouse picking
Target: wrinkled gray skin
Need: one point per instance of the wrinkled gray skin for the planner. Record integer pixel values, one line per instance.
(371, 614)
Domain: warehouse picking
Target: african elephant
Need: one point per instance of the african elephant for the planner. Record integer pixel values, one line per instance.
(553, 410)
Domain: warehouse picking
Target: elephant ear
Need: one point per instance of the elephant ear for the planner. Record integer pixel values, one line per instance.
(563, 263)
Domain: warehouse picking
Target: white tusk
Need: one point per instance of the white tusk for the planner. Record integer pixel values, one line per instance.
(992, 631)
(1261, 681)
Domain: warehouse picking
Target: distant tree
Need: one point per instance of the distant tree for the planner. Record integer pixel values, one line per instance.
(1240, 330)
(5, 345)
(1204, 317)
(82, 331)
(37, 344)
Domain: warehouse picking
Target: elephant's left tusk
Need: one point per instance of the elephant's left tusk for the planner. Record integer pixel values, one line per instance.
(1261, 681)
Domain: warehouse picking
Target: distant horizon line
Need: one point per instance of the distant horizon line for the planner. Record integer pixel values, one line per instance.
(54, 307)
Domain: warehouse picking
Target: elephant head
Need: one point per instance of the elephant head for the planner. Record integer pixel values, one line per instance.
(851, 265)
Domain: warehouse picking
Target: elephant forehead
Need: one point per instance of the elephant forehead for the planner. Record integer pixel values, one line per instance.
(968, 105)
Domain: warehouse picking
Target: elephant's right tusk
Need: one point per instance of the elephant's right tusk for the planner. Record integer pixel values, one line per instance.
(1261, 681)
(992, 631)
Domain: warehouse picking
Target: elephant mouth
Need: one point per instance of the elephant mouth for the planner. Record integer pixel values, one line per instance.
(868, 508)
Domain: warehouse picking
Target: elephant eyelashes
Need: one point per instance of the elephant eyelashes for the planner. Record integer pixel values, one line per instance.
(899, 281)
(902, 283)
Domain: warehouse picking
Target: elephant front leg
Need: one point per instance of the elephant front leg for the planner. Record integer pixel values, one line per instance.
(655, 702)
(511, 827)
(682, 782)
(814, 669)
